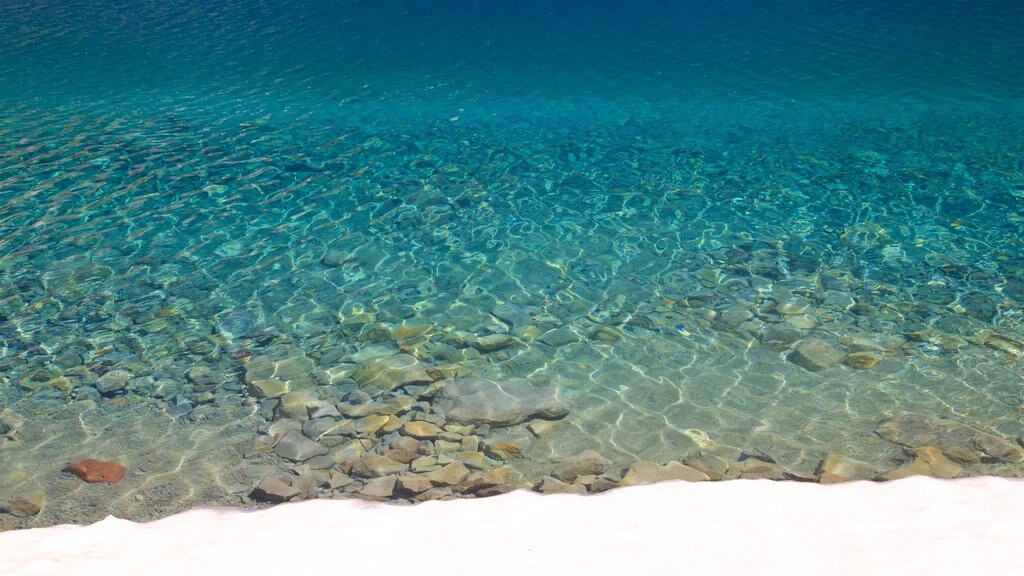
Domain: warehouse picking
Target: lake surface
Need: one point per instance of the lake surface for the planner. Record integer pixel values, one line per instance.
(244, 240)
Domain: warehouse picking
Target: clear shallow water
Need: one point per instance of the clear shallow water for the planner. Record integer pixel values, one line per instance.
(688, 191)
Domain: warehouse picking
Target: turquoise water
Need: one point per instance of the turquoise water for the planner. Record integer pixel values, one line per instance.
(653, 205)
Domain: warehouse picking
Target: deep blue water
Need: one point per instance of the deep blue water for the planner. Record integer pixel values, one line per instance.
(672, 197)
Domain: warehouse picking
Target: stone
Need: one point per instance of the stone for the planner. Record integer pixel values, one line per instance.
(549, 485)
(958, 442)
(275, 490)
(835, 468)
(412, 485)
(472, 460)
(401, 455)
(375, 466)
(792, 305)
(506, 446)
(290, 364)
(928, 461)
(371, 424)
(26, 505)
(298, 448)
(541, 428)
(478, 481)
(424, 464)
(647, 472)
(449, 475)
(268, 388)
(92, 471)
(815, 355)
(862, 360)
(493, 342)
(113, 381)
(501, 402)
(586, 462)
(516, 315)
(420, 430)
(755, 469)
(384, 374)
(380, 488)
(10, 421)
(709, 464)
(559, 337)
(296, 404)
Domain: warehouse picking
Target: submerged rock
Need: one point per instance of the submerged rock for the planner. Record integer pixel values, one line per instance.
(928, 461)
(384, 374)
(646, 472)
(25, 505)
(587, 462)
(501, 402)
(93, 471)
(815, 355)
(275, 490)
(836, 468)
(959, 442)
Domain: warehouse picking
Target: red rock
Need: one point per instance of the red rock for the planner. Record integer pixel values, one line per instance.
(91, 471)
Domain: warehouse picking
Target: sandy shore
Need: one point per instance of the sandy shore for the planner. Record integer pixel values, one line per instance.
(913, 526)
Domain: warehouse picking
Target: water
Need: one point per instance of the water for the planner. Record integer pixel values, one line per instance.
(199, 197)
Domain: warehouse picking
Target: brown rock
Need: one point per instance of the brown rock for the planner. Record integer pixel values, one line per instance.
(92, 471)
(754, 469)
(25, 506)
(646, 472)
(401, 455)
(373, 466)
(472, 460)
(478, 481)
(275, 490)
(586, 462)
(507, 446)
(449, 475)
(412, 485)
(928, 462)
(380, 488)
(836, 468)
(709, 464)
(549, 485)
(420, 430)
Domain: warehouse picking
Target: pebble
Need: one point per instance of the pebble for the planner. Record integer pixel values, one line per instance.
(412, 485)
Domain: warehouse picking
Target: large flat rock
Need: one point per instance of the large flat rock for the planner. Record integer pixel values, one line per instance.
(501, 402)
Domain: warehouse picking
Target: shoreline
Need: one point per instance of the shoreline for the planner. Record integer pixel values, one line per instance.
(721, 527)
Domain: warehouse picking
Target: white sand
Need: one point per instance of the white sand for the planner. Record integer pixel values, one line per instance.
(914, 526)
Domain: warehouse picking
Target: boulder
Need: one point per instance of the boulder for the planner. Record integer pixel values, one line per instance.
(501, 402)
(958, 442)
